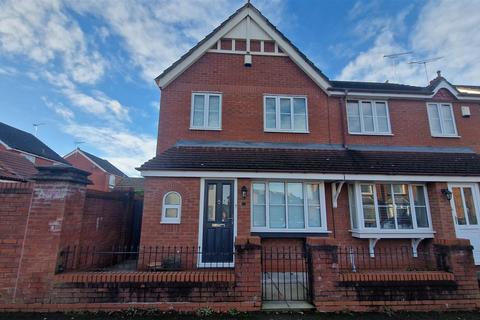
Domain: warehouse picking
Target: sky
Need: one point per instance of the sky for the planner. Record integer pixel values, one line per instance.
(84, 70)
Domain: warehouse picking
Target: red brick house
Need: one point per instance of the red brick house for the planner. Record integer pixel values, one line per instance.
(104, 175)
(255, 140)
(27, 145)
(271, 182)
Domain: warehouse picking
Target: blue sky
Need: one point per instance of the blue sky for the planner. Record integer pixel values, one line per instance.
(85, 68)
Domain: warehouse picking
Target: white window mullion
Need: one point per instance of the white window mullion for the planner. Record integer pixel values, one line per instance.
(292, 116)
(267, 205)
(206, 110)
(394, 206)
(278, 126)
(374, 115)
(285, 191)
(412, 206)
(360, 111)
(375, 204)
(306, 207)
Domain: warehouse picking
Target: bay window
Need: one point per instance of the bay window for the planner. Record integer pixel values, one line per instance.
(368, 117)
(285, 114)
(389, 208)
(284, 206)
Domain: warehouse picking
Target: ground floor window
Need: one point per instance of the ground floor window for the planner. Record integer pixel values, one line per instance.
(388, 207)
(279, 206)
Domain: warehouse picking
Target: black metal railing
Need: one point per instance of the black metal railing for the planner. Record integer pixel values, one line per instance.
(285, 274)
(360, 259)
(123, 258)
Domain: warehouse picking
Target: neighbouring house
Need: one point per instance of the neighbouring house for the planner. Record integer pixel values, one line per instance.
(27, 145)
(257, 147)
(104, 175)
(131, 183)
(15, 168)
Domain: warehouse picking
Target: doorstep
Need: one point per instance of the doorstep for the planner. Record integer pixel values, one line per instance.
(286, 306)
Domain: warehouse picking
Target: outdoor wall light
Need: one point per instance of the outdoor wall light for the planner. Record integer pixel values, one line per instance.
(447, 193)
(244, 191)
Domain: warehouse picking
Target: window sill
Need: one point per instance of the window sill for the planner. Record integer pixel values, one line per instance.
(398, 234)
(452, 137)
(169, 222)
(206, 129)
(290, 234)
(371, 134)
(284, 131)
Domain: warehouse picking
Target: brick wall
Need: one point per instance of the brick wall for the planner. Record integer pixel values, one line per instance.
(242, 107)
(14, 205)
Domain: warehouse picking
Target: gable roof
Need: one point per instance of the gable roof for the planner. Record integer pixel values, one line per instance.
(248, 10)
(103, 164)
(20, 140)
(15, 167)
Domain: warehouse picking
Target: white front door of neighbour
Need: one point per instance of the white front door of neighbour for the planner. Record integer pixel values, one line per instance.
(465, 210)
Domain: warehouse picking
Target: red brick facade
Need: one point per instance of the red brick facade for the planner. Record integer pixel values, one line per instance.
(242, 107)
(98, 177)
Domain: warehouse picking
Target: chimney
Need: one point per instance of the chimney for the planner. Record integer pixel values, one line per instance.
(439, 74)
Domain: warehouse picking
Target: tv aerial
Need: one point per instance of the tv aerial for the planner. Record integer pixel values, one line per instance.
(36, 125)
(394, 57)
(424, 62)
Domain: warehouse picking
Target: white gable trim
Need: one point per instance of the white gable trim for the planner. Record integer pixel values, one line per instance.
(171, 75)
(86, 157)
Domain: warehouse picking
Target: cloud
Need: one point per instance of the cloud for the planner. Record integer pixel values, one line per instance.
(43, 32)
(59, 109)
(443, 28)
(157, 33)
(122, 147)
(97, 103)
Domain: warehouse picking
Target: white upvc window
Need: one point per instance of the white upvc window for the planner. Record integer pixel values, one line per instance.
(441, 120)
(206, 112)
(171, 207)
(368, 117)
(285, 114)
(111, 181)
(288, 206)
(389, 208)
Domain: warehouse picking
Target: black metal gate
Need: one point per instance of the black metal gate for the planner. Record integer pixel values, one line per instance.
(285, 274)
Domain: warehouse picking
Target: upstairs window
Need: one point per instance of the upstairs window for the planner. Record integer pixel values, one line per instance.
(285, 114)
(368, 117)
(441, 119)
(111, 181)
(389, 207)
(206, 111)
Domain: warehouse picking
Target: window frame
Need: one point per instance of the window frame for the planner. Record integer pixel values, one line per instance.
(414, 232)
(307, 229)
(277, 128)
(111, 184)
(168, 220)
(440, 115)
(374, 115)
(206, 110)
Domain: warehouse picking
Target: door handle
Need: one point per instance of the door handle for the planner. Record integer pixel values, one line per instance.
(218, 225)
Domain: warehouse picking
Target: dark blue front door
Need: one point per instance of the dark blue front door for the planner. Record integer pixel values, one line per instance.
(217, 246)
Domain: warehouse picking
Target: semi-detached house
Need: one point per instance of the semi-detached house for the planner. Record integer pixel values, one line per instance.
(254, 141)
